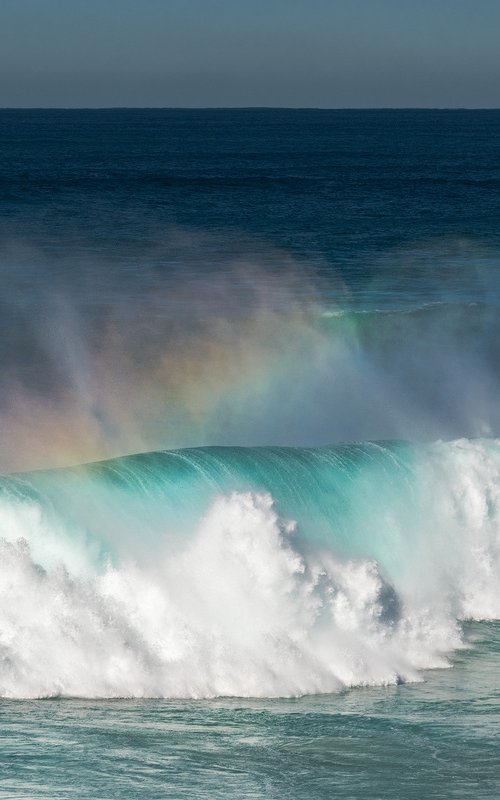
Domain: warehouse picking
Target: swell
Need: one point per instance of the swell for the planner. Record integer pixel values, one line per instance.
(246, 571)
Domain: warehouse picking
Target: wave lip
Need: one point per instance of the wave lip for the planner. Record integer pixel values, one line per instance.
(246, 572)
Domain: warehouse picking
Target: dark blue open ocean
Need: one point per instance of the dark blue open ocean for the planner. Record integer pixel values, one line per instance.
(249, 421)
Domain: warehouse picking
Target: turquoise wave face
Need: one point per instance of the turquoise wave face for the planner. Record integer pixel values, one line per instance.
(332, 493)
(363, 499)
(246, 571)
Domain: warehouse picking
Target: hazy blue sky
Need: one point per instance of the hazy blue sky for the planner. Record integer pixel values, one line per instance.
(329, 53)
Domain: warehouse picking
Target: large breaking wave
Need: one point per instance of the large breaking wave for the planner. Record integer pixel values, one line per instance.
(246, 571)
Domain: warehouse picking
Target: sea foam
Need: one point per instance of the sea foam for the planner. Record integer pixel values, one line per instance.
(235, 572)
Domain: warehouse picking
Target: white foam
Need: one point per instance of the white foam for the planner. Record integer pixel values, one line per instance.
(241, 607)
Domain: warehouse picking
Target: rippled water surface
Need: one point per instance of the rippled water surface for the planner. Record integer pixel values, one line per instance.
(435, 739)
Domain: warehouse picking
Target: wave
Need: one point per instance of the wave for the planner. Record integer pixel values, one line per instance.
(246, 571)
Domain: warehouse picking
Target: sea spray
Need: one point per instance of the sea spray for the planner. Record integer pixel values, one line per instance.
(99, 380)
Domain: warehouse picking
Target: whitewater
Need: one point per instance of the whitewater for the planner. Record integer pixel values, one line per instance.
(253, 572)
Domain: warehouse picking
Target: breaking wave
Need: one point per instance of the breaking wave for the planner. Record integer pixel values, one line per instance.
(246, 571)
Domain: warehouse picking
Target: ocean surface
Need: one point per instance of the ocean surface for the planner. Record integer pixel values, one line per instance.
(250, 454)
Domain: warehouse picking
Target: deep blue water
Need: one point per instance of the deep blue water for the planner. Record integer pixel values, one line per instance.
(408, 198)
(287, 278)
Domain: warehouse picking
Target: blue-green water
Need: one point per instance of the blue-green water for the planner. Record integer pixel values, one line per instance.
(293, 591)
(437, 739)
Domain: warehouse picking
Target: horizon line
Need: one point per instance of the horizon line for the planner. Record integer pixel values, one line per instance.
(248, 108)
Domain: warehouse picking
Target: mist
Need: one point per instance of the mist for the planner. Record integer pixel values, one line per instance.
(100, 360)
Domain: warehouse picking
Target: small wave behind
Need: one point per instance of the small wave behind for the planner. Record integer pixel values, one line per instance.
(246, 571)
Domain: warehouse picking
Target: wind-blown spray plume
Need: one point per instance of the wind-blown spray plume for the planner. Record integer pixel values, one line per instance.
(112, 360)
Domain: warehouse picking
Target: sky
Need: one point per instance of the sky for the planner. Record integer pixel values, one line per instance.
(288, 53)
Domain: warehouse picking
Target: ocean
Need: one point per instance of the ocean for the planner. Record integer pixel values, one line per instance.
(250, 473)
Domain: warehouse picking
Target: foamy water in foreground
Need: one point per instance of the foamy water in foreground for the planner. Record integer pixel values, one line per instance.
(441, 734)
